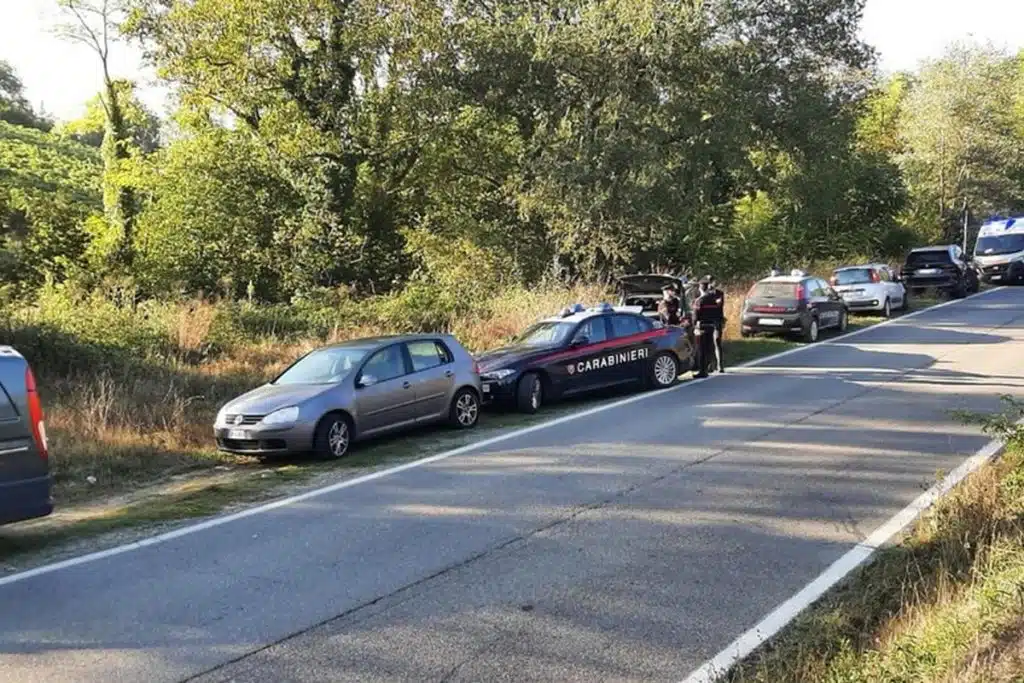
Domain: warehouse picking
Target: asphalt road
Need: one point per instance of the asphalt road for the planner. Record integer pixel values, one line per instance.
(628, 545)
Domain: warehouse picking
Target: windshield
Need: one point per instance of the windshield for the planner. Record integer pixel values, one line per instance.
(545, 333)
(927, 258)
(853, 276)
(774, 290)
(999, 244)
(324, 366)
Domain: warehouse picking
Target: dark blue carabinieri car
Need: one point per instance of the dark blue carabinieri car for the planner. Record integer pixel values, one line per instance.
(584, 350)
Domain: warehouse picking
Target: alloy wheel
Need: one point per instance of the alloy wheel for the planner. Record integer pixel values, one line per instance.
(467, 410)
(338, 438)
(535, 392)
(666, 371)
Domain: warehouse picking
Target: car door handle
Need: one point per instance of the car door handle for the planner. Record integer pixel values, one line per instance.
(406, 385)
(449, 373)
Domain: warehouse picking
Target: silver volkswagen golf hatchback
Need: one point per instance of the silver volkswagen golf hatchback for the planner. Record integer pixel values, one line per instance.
(345, 392)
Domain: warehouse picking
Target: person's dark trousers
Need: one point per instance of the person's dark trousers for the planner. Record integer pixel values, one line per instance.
(719, 353)
(705, 347)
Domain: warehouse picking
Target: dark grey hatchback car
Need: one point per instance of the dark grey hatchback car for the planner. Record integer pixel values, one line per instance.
(797, 304)
(24, 459)
(345, 392)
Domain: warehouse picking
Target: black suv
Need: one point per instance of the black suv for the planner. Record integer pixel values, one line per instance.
(796, 304)
(943, 268)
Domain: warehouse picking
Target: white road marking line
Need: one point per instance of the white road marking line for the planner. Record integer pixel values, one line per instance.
(348, 483)
(785, 613)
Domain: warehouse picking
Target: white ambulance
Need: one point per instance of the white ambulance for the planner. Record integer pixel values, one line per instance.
(999, 251)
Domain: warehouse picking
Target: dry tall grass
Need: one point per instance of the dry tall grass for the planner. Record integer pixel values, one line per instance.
(132, 399)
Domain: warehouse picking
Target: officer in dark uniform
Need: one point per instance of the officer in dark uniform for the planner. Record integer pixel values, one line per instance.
(670, 307)
(718, 297)
(704, 330)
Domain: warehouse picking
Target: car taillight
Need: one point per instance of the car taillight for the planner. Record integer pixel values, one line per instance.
(476, 367)
(875, 277)
(800, 292)
(35, 414)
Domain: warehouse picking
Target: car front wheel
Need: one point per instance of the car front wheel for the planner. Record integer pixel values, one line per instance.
(529, 393)
(333, 437)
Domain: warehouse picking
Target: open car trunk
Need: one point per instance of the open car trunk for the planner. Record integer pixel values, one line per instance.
(646, 290)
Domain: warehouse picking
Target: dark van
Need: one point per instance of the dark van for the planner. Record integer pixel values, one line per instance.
(25, 490)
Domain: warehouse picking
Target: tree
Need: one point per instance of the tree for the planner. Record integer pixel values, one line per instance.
(14, 107)
(962, 137)
(49, 188)
(214, 210)
(142, 124)
(95, 24)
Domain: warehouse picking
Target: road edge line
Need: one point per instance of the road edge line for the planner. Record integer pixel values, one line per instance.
(220, 520)
(718, 666)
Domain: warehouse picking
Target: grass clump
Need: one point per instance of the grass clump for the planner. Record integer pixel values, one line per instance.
(945, 605)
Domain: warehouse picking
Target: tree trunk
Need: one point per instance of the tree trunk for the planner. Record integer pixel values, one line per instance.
(124, 207)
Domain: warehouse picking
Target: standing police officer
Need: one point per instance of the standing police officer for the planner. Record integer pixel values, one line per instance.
(718, 296)
(704, 315)
(710, 314)
(670, 307)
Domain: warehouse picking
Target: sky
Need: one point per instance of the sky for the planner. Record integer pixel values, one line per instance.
(61, 76)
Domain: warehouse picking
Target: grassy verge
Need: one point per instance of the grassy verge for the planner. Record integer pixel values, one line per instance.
(131, 395)
(947, 604)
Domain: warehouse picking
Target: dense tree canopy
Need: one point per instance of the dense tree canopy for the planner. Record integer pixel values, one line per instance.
(320, 143)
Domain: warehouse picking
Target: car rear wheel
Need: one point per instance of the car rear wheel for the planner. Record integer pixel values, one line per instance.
(333, 437)
(465, 410)
(664, 370)
(844, 321)
(810, 333)
(905, 304)
(887, 309)
(529, 393)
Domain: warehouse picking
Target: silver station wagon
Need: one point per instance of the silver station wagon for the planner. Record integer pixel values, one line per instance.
(341, 393)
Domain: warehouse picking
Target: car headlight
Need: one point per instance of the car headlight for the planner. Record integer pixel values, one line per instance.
(281, 417)
(499, 374)
(222, 416)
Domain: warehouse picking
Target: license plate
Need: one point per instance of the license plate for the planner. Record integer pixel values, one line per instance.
(773, 322)
(928, 271)
(238, 435)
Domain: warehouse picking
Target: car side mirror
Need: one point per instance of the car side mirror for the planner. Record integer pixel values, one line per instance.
(367, 381)
(580, 341)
